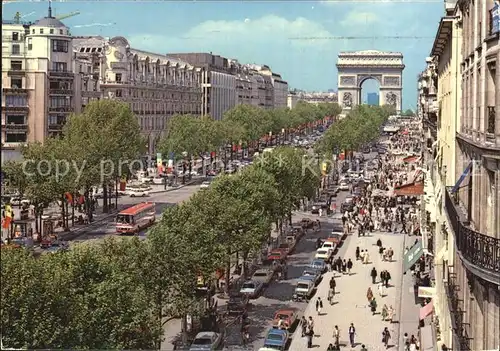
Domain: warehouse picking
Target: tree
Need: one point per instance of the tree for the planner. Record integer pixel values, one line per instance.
(105, 141)
(15, 177)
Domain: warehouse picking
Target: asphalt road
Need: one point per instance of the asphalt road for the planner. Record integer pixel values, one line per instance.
(162, 201)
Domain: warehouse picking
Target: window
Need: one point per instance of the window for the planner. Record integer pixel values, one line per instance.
(118, 93)
(55, 119)
(61, 31)
(16, 65)
(16, 83)
(93, 50)
(60, 101)
(30, 43)
(51, 31)
(15, 36)
(118, 77)
(16, 100)
(16, 119)
(60, 45)
(16, 49)
(33, 31)
(87, 49)
(16, 137)
(59, 66)
(41, 30)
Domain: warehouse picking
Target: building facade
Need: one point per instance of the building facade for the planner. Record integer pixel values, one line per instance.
(468, 56)
(38, 82)
(292, 100)
(155, 86)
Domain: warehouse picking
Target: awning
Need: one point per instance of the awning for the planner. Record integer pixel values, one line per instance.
(411, 159)
(413, 255)
(462, 177)
(427, 338)
(426, 310)
(411, 189)
(442, 254)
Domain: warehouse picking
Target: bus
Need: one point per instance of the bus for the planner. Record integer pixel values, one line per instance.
(133, 219)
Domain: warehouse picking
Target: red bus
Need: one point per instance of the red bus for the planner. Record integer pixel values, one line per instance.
(133, 219)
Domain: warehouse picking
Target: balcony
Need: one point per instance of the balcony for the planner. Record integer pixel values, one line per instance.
(61, 109)
(15, 108)
(16, 72)
(15, 91)
(15, 126)
(56, 126)
(461, 340)
(480, 253)
(61, 92)
(60, 74)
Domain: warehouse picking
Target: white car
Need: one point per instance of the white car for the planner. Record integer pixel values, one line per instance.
(138, 193)
(205, 185)
(323, 254)
(328, 245)
(344, 186)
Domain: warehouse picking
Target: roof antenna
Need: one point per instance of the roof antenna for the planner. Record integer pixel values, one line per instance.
(50, 8)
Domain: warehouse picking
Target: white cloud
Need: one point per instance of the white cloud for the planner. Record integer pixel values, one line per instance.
(356, 18)
(267, 30)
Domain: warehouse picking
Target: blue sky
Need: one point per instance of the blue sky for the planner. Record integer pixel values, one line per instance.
(262, 31)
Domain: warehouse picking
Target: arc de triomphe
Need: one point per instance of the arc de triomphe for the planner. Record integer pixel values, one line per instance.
(355, 67)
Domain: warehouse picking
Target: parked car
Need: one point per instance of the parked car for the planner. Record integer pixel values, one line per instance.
(329, 245)
(335, 237)
(276, 339)
(206, 341)
(205, 185)
(306, 223)
(344, 186)
(285, 319)
(313, 272)
(251, 288)
(276, 255)
(264, 275)
(304, 288)
(319, 265)
(138, 193)
(323, 254)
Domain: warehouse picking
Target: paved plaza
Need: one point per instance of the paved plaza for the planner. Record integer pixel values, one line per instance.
(350, 302)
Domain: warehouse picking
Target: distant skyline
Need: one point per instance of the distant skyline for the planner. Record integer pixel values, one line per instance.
(299, 40)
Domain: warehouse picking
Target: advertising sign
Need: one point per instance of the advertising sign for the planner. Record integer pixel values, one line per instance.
(426, 292)
(413, 255)
(495, 17)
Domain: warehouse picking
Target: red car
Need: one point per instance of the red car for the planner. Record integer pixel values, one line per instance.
(285, 319)
(276, 255)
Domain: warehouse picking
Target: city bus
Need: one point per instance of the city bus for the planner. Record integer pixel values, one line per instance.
(133, 219)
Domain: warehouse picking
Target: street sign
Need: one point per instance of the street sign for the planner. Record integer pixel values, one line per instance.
(413, 255)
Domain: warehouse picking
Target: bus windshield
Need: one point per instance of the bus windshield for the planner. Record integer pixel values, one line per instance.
(124, 219)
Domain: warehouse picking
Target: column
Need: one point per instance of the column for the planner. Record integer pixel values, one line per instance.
(497, 98)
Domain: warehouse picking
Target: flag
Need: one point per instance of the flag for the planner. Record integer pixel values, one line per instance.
(7, 216)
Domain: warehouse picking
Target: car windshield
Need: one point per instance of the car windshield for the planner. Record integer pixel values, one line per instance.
(309, 273)
(282, 316)
(322, 252)
(275, 253)
(327, 244)
(303, 286)
(248, 286)
(317, 263)
(275, 337)
(260, 274)
(202, 341)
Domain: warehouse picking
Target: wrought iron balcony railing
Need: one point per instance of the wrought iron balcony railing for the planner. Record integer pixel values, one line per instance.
(460, 335)
(491, 119)
(478, 249)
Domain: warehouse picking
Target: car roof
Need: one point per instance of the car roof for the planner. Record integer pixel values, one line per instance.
(285, 311)
(206, 334)
(276, 331)
(317, 261)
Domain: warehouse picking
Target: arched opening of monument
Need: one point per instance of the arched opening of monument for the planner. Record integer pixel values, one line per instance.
(369, 92)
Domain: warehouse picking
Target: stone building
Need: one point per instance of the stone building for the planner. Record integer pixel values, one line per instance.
(469, 235)
(38, 82)
(154, 85)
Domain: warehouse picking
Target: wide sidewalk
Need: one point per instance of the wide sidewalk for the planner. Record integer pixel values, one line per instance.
(351, 305)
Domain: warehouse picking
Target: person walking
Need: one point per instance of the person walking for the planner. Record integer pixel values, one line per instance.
(310, 334)
(344, 267)
(373, 274)
(387, 277)
(333, 285)
(406, 342)
(349, 266)
(336, 336)
(385, 337)
(363, 348)
(303, 325)
(366, 259)
(391, 313)
(352, 333)
(373, 306)
(357, 253)
(385, 312)
(369, 294)
(380, 288)
(319, 305)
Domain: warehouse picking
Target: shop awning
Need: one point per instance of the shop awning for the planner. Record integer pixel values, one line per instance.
(410, 189)
(426, 310)
(426, 292)
(462, 177)
(413, 255)
(411, 159)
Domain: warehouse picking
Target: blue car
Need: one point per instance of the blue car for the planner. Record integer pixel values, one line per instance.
(318, 264)
(314, 273)
(276, 339)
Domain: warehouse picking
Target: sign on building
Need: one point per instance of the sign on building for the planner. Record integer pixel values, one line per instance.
(495, 17)
(413, 255)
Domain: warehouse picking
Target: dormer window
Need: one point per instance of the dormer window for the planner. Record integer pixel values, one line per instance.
(51, 31)
(61, 31)
(41, 30)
